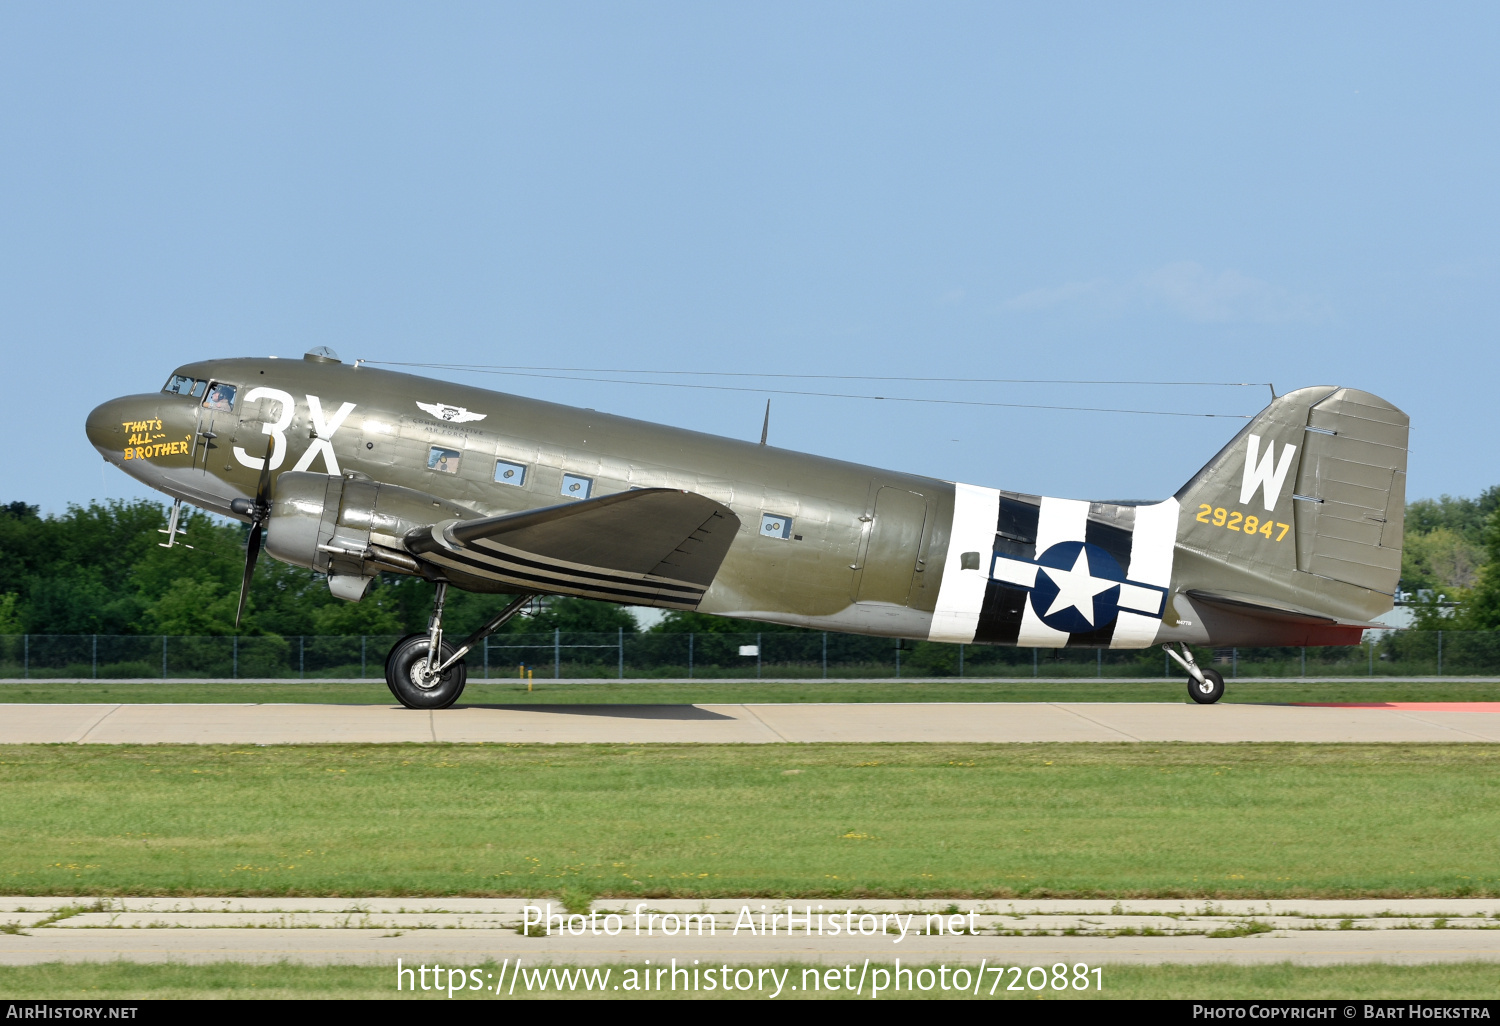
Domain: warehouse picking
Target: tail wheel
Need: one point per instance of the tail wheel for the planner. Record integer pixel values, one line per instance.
(1210, 691)
(406, 675)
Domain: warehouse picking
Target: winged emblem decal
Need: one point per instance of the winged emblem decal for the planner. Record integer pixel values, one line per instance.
(452, 414)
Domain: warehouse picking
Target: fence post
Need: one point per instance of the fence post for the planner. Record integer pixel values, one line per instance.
(163, 657)
(1166, 662)
(235, 661)
(361, 657)
(622, 652)
(1304, 660)
(757, 657)
(1033, 662)
(486, 657)
(96, 657)
(1440, 653)
(960, 660)
(301, 655)
(1371, 646)
(1099, 662)
(26, 656)
(690, 655)
(1234, 663)
(825, 655)
(898, 658)
(556, 652)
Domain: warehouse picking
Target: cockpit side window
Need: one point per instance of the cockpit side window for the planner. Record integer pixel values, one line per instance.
(220, 397)
(181, 384)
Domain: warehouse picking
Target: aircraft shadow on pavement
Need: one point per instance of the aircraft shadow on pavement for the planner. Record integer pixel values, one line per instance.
(627, 712)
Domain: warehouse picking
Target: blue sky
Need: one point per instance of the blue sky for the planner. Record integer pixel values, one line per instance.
(1298, 194)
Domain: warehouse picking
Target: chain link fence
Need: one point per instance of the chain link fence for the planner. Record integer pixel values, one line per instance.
(800, 654)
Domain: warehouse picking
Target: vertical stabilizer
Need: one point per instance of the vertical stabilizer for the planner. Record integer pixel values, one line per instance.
(1303, 509)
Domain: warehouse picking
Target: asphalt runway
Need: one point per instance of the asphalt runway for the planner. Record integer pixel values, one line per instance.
(798, 723)
(469, 931)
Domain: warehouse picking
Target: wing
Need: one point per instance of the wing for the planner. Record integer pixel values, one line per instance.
(653, 546)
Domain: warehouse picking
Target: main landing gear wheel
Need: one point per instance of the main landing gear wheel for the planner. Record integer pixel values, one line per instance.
(1210, 691)
(407, 677)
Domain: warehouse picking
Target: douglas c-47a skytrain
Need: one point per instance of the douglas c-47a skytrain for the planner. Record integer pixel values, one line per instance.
(1291, 535)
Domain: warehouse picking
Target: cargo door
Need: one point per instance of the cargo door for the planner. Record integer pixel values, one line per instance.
(247, 431)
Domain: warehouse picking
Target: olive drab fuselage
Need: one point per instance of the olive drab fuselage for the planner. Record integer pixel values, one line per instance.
(819, 542)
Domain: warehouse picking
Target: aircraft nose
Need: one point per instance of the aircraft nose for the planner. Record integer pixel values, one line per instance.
(106, 425)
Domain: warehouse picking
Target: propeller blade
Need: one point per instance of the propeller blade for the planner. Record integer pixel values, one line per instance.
(252, 551)
(263, 487)
(257, 519)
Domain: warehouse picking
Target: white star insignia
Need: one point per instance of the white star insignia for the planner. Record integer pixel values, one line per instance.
(1077, 588)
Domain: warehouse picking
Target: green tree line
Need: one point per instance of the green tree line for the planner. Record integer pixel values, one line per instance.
(100, 569)
(1451, 554)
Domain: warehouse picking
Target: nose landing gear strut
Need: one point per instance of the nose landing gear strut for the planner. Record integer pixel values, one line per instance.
(425, 672)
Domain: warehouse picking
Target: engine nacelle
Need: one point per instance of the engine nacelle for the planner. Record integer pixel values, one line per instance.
(348, 527)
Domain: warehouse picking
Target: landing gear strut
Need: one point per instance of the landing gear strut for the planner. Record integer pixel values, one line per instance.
(1204, 686)
(425, 672)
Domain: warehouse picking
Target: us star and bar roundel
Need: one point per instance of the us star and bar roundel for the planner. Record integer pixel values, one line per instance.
(1056, 572)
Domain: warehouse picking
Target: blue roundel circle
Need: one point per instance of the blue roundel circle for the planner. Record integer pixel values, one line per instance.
(1077, 587)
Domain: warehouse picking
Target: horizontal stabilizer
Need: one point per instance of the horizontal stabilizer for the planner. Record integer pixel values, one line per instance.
(652, 546)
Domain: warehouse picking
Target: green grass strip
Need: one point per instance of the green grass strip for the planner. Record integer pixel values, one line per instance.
(134, 980)
(898, 820)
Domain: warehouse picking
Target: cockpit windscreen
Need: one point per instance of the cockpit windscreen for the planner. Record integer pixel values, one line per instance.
(181, 384)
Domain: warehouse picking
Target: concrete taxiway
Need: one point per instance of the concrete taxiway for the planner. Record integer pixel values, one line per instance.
(469, 931)
(738, 724)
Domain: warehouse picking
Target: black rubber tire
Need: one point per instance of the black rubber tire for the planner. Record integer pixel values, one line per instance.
(1207, 693)
(405, 656)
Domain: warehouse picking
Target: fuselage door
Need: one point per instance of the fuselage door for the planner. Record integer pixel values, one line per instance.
(890, 560)
(216, 430)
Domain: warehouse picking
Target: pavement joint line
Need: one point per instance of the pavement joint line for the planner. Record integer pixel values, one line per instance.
(761, 720)
(106, 714)
(1123, 733)
(1412, 714)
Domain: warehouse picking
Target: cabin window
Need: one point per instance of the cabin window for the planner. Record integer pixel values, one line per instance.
(444, 461)
(773, 525)
(577, 487)
(220, 397)
(509, 473)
